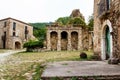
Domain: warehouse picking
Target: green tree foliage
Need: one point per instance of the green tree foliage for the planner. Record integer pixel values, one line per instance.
(39, 30)
(91, 22)
(68, 20)
(63, 20)
(40, 34)
(77, 21)
(38, 25)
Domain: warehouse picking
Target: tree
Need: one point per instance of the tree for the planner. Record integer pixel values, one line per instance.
(63, 21)
(91, 22)
(39, 30)
(40, 34)
(77, 21)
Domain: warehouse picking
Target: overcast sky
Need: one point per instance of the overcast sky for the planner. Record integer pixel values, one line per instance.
(43, 10)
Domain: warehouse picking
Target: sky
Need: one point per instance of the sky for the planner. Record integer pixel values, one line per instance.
(43, 10)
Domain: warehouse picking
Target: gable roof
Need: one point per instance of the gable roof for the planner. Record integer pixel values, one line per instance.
(15, 20)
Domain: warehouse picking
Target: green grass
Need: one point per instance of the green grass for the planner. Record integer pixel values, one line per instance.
(3, 50)
(32, 62)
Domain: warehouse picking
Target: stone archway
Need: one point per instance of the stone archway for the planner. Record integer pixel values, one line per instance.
(64, 40)
(74, 40)
(53, 39)
(106, 44)
(17, 45)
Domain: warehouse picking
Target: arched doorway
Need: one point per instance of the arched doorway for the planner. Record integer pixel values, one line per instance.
(106, 44)
(74, 40)
(64, 40)
(17, 45)
(53, 39)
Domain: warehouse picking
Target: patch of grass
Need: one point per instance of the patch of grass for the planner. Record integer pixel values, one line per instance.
(3, 50)
(38, 71)
(18, 64)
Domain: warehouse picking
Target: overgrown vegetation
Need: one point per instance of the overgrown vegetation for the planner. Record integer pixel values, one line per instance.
(64, 21)
(77, 21)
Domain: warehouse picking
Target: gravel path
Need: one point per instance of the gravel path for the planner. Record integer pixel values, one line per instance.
(7, 53)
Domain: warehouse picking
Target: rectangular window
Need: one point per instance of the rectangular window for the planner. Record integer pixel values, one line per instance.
(14, 26)
(108, 4)
(13, 33)
(26, 32)
(4, 40)
(25, 29)
(5, 24)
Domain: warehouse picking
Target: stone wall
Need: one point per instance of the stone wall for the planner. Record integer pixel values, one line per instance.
(67, 38)
(17, 36)
(113, 16)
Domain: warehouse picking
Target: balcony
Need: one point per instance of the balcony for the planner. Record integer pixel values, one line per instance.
(103, 9)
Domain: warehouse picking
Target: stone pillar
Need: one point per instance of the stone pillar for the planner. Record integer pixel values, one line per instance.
(69, 41)
(59, 41)
(80, 46)
(48, 41)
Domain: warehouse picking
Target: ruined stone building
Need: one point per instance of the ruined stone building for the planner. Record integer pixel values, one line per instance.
(107, 28)
(66, 38)
(13, 33)
(69, 37)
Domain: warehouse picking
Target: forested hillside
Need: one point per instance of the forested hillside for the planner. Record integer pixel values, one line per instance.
(38, 25)
(39, 30)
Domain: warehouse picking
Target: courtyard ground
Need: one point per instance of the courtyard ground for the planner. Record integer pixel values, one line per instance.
(81, 69)
(30, 65)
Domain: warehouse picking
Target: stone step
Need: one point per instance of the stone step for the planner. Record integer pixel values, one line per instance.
(81, 70)
(114, 77)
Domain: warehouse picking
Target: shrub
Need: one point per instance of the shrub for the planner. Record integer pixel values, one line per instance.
(83, 55)
(30, 45)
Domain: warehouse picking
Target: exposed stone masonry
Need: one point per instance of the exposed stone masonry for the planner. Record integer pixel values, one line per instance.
(67, 38)
(113, 15)
(14, 33)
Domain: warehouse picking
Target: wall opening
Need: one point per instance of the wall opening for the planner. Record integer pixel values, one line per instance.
(4, 40)
(106, 44)
(17, 45)
(74, 40)
(64, 40)
(54, 40)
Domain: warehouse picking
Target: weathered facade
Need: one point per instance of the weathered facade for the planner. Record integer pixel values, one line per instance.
(14, 33)
(67, 38)
(107, 28)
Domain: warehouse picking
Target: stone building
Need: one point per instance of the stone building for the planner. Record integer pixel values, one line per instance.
(67, 38)
(107, 28)
(13, 33)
